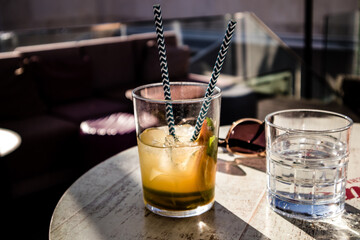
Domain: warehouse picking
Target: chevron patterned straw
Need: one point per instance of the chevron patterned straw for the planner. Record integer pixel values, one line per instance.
(215, 74)
(164, 68)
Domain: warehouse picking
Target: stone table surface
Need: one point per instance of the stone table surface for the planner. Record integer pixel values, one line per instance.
(106, 203)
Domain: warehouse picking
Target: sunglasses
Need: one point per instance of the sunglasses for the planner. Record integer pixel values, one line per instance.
(245, 137)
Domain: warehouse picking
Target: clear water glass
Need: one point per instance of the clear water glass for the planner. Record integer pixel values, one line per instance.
(307, 155)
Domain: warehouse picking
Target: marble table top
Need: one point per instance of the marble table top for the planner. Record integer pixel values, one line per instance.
(106, 203)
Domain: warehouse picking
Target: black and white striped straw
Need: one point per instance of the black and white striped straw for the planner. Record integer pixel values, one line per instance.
(215, 74)
(164, 68)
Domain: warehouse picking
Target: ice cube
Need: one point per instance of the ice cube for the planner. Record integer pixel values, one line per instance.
(183, 157)
(154, 173)
(169, 141)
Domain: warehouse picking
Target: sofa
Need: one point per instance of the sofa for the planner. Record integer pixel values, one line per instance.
(47, 91)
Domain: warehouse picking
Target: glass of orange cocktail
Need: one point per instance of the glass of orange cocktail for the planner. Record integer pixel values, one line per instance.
(178, 174)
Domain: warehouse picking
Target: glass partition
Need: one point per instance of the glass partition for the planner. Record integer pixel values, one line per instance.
(256, 57)
(11, 40)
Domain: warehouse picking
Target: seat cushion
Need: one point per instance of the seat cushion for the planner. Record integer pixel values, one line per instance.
(237, 101)
(88, 109)
(62, 76)
(177, 60)
(112, 63)
(141, 44)
(351, 97)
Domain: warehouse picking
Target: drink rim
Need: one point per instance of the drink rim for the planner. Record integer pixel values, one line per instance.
(347, 126)
(217, 93)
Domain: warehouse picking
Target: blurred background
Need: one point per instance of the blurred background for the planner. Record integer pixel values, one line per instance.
(320, 32)
(284, 54)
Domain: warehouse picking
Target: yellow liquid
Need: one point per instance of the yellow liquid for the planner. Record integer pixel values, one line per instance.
(177, 177)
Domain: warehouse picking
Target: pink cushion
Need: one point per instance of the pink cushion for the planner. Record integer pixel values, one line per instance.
(117, 123)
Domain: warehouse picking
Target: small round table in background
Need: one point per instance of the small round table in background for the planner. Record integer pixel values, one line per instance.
(9, 141)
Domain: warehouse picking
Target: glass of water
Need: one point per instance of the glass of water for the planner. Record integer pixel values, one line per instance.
(307, 157)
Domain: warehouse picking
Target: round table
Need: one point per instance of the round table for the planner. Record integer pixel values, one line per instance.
(106, 203)
(9, 141)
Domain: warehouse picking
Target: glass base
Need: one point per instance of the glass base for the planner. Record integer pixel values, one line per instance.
(297, 209)
(180, 214)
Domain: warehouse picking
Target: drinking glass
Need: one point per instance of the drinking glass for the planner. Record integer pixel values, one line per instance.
(178, 175)
(307, 155)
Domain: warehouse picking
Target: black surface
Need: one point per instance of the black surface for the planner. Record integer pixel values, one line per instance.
(29, 217)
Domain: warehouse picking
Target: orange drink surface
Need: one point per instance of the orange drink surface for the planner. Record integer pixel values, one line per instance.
(177, 174)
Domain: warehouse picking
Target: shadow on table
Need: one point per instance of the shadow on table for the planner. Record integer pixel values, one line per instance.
(217, 223)
(233, 167)
(229, 167)
(346, 226)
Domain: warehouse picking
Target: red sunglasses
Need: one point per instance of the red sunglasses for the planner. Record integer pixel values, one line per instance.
(245, 137)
